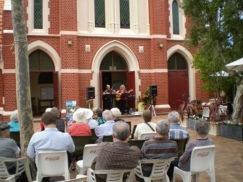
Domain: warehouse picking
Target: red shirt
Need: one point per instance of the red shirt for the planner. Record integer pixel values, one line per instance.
(79, 129)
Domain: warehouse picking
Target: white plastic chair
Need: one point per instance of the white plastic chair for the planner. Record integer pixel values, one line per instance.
(111, 175)
(202, 160)
(79, 178)
(159, 169)
(147, 135)
(90, 152)
(21, 166)
(52, 163)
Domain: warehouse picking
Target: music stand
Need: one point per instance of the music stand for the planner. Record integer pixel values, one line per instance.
(110, 96)
(152, 107)
(125, 95)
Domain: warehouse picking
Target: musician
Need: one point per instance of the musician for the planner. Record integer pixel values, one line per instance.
(122, 101)
(108, 99)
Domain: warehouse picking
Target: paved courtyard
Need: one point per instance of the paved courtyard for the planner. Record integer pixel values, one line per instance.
(227, 160)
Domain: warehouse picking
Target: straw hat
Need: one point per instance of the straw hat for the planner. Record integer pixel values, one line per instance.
(80, 115)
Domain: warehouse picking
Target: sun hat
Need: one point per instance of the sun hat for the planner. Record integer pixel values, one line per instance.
(80, 115)
(4, 126)
(89, 113)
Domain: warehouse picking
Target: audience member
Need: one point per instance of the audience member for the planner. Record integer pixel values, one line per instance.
(100, 119)
(159, 147)
(148, 126)
(42, 125)
(176, 130)
(60, 122)
(117, 154)
(90, 121)
(71, 120)
(8, 147)
(50, 139)
(116, 114)
(202, 129)
(14, 122)
(105, 129)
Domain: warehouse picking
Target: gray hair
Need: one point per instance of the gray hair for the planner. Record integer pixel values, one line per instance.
(174, 117)
(202, 127)
(107, 115)
(56, 111)
(121, 130)
(163, 127)
(14, 116)
(116, 112)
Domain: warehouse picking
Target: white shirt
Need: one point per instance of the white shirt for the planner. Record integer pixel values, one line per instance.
(49, 139)
(104, 129)
(143, 128)
(92, 123)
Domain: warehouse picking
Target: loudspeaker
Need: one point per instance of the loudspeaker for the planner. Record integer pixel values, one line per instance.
(153, 90)
(90, 93)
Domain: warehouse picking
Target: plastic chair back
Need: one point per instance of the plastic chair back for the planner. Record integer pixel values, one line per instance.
(111, 175)
(159, 169)
(93, 136)
(21, 165)
(147, 135)
(52, 163)
(202, 158)
(138, 143)
(16, 137)
(80, 142)
(108, 138)
(181, 145)
(79, 178)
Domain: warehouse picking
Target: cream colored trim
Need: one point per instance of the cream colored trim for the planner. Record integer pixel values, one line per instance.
(126, 53)
(7, 5)
(68, 32)
(163, 106)
(191, 71)
(153, 71)
(9, 71)
(7, 113)
(8, 31)
(158, 36)
(76, 71)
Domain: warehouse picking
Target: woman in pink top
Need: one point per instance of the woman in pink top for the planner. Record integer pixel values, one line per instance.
(79, 128)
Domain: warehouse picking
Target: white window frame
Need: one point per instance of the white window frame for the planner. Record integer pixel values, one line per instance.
(45, 14)
(182, 22)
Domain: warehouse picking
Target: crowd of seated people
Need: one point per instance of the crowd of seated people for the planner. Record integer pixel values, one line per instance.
(117, 154)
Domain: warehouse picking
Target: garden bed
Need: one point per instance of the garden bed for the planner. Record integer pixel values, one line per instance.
(231, 131)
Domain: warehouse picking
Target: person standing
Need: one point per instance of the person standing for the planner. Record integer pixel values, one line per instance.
(108, 96)
(122, 99)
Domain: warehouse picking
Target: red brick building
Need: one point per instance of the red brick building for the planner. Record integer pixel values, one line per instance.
(74, 44)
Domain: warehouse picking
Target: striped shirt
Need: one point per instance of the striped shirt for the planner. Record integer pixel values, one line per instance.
(116, 155)
(177, 132)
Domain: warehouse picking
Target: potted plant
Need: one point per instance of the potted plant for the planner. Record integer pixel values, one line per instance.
(145, 100)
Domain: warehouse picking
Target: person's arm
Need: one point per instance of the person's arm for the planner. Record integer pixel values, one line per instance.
(187, 154)
(71, 146)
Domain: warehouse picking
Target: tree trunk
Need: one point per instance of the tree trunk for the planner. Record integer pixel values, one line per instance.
(238, 103)
(22, 78)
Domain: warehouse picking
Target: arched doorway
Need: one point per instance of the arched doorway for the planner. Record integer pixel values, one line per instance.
(43, 82)
(178, 80)
(114, 71)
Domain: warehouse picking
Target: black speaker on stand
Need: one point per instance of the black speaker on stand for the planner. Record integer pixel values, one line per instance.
(153, 90)
(90, 93)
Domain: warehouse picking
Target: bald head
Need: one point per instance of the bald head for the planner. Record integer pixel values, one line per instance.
(121, 130)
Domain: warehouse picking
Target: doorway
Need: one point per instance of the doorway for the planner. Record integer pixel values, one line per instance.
(178, 80)
(43, 82)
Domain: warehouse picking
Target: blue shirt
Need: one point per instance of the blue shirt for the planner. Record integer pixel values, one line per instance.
(104, 129)
(14, 126)
(49, 139)
(177, 132)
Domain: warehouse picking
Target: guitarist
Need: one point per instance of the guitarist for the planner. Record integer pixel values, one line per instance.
(122, 101)
(108, 97)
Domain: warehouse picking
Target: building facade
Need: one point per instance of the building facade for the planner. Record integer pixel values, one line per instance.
(75, 44)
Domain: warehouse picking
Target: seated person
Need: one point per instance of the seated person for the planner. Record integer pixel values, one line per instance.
(71, 120)
(42, 125)
(100, 119)
(90, 121)
(176, 130)
(147, 126)
(159, 147)
(60, 122)
(50, 139)
(105, 129)
(14, 122)
(116, 114)
(117, 154)
(8, 147)
(202, 129)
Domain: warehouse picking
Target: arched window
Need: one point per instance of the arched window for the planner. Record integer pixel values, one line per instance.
(40, 61)
(113, 61)
(175, 14)
(177, 62)
(124, 14)
(99, 13)
(38, 21)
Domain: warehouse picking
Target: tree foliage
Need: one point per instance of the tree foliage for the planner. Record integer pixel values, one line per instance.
(217, 37)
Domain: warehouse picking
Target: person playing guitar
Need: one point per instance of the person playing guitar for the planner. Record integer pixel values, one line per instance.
(108, 98)
(122, 101)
